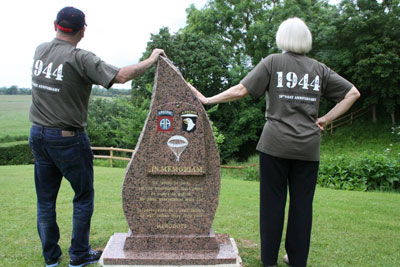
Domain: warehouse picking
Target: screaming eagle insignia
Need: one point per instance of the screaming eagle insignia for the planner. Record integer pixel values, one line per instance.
(189, 120)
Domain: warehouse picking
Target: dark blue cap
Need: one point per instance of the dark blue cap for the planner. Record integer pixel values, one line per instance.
(70, 19)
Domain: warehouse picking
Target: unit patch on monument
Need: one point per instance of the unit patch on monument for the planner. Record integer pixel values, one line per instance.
(165, 121)
(177, 144)
(189, 120)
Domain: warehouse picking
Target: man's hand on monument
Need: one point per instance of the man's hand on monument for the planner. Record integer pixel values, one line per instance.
(199, 95)
(132, 71)
(156, 53)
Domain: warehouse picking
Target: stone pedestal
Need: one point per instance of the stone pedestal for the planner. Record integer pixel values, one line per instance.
(116, 256)
(151, 243)
(172, 183)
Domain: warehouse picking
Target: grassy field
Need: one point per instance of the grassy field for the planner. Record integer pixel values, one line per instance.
(349, 229)
(14, 116)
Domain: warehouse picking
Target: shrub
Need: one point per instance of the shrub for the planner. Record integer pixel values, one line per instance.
(13, 138)
(218, 136)
(15, 153)
(252, 173)
(396, 134)
(116, 122)
(366, 173)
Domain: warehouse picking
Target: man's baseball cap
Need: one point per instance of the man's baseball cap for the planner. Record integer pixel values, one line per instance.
(70, 19)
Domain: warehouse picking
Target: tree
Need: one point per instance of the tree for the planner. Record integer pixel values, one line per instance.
(199, 58)
(248, 31)
(12, 90)
(227, 38)
(364, 45)
(220, 44)
(116, 122)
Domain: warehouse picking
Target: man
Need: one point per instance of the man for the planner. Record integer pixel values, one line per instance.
(62, 79)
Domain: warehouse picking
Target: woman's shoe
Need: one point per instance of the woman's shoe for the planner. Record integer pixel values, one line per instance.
(286, 259)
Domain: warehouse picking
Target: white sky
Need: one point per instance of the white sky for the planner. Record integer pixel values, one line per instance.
(117, 32)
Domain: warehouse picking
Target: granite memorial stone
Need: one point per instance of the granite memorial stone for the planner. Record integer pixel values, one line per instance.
(172, 183)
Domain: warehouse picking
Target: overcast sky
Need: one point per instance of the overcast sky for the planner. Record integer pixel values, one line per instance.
(117, 32)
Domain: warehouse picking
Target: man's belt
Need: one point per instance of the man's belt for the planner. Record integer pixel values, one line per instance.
(65, 131)
(70, 131)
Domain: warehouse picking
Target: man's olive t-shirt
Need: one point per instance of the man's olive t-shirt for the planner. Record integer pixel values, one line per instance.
(62, 79)
(293, 85)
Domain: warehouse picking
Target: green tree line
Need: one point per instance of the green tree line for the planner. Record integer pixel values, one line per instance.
(224, 40)
(15, 90)
(96, 91)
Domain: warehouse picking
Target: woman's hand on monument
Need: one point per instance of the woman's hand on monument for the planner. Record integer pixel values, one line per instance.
(199, 95)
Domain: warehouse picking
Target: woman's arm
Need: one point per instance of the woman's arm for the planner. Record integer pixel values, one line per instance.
(339, 109)
(234, 93)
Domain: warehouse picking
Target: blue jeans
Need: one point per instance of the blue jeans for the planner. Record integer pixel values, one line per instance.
(57, 156)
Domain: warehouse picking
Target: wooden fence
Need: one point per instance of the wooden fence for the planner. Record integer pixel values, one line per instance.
(349, 118)
(111, 156)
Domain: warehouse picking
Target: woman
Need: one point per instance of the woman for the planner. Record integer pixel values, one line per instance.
(290, 141)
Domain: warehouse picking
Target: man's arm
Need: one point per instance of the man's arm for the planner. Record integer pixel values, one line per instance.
(234, 93)
(339, 109)
(133, 71)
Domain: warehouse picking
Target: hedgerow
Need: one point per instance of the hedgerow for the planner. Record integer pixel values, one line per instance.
(366, 173)
(15, 153)
(370, 172)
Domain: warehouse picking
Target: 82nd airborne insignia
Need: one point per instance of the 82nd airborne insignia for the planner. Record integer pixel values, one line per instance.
(165, 121)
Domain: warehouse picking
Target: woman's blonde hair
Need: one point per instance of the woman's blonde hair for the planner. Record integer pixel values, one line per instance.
(293, 35)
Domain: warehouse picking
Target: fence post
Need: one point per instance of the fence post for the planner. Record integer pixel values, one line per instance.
(111, 156)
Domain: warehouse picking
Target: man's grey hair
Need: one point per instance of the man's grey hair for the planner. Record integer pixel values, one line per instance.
(293, 35)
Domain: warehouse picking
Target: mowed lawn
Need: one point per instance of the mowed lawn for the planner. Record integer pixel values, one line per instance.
(350, 228)
(14, 115)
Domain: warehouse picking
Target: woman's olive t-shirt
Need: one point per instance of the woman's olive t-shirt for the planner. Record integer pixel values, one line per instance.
(293, 85)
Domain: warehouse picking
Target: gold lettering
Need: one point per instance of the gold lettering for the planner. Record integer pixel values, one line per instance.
(177, 169)
(154, 169)
(172, 226)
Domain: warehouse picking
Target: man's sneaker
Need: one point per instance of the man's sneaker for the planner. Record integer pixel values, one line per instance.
(89, 258)
(52, 263)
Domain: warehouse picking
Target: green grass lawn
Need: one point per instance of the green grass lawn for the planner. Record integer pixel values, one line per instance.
(349, 229)
(14, 116)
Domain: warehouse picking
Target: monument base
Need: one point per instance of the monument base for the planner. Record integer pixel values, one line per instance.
(114, 255)
(150, 243)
